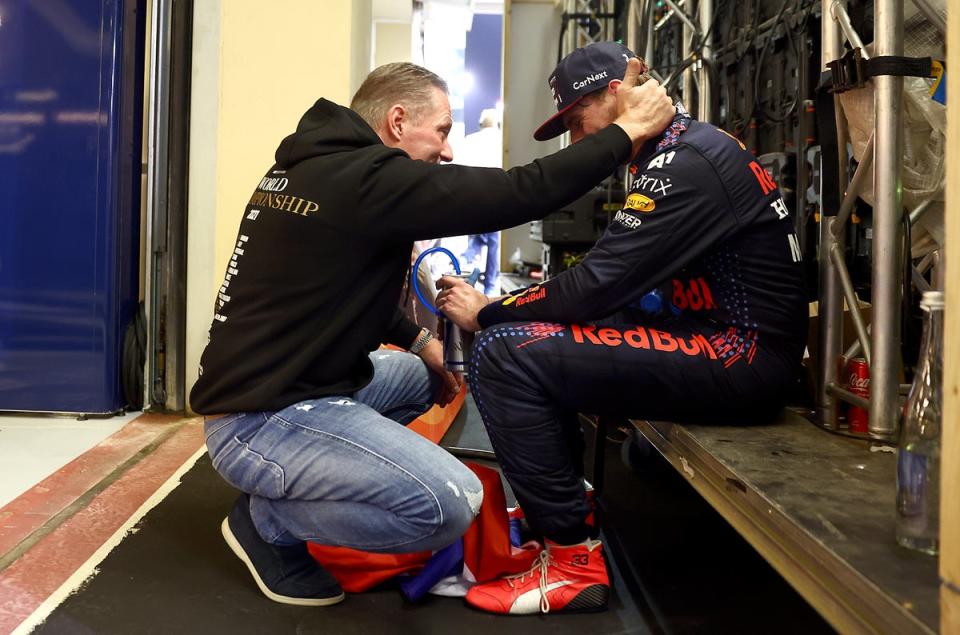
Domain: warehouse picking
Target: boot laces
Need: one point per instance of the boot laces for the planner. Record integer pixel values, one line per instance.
(541, 564)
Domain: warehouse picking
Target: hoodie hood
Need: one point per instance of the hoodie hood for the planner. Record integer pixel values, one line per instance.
(325, 129)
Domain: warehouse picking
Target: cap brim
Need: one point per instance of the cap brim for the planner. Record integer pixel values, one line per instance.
(553, 127)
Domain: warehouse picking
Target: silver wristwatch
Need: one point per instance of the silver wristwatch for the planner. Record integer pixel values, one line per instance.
(421, 341)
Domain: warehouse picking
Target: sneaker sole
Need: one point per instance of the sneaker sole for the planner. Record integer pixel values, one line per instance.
(234, 545)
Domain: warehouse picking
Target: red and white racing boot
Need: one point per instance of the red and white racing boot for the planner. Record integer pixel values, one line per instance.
(563, 578)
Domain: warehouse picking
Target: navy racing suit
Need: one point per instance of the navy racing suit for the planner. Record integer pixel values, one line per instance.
(707, 224)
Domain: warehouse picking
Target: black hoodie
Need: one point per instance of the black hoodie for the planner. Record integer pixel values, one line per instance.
(315, 278)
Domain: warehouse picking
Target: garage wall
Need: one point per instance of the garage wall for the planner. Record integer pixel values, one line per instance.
(256, 68)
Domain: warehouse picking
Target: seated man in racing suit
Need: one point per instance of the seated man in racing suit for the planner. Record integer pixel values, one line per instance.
(704, 220)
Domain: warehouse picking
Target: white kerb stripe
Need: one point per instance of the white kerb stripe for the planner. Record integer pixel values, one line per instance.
(89, 568)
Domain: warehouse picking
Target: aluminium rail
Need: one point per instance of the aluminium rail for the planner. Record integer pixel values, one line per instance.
(879, 341)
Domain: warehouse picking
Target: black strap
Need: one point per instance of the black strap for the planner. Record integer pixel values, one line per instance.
(829, 152)
(852, 71)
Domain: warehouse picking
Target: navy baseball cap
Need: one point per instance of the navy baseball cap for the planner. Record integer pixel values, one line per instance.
(584, 71)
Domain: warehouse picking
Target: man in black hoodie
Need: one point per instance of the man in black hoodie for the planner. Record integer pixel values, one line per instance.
(689, 307)
(306, 416)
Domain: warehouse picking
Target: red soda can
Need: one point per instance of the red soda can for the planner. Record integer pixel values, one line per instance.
(858, 382)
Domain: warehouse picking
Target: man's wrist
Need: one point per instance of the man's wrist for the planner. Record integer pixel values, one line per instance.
(422, 340)
(637, 132)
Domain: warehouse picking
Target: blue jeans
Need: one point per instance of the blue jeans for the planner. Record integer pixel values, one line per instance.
(344, 471)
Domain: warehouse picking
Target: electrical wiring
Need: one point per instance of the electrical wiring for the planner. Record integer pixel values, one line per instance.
(800, 29)
(741, 125)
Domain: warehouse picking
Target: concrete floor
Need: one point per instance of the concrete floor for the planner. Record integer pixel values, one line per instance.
(140, 551)
(32, 447)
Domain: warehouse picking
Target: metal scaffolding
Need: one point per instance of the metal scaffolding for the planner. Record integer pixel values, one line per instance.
(879, 341)
(878, 337)
(586, 22)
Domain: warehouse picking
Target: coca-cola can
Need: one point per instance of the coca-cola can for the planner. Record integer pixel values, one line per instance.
(858, 382)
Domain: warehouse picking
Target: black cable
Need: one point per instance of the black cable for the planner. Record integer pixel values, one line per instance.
(697, 42)
(800, 30)
(738, 130)
(763, 54)
(134, 356)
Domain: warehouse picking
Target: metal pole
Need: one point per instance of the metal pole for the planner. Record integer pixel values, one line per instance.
(830, 306)
(157, 185)
(854, 348)
(648, 51)
(922, 208)
(933, 14)
(705, 106)
(679, 12)
(839, 12)
(836, 254)
(688, 29)
(887, 226)
(853, 190)
(633, 26)
(938, 277)
(849, 397)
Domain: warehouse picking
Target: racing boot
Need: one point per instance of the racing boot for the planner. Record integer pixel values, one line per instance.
(569, 578)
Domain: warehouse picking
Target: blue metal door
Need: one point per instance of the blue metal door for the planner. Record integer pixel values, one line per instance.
(71, 77)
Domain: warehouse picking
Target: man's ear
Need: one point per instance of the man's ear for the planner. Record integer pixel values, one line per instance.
(614, 86)
(396, 119)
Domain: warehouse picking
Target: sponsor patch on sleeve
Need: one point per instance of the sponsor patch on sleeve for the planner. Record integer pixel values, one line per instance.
(530, 295)
(640, 203)
(627, 219)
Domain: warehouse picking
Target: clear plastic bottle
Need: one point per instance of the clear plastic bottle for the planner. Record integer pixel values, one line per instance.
(918, 458)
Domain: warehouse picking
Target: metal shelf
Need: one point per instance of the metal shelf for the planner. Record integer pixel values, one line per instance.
(820, 508)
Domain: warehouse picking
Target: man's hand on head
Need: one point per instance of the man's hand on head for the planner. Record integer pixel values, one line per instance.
(643, 111)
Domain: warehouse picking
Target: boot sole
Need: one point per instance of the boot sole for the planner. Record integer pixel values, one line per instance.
(592, 599)
(237, 549)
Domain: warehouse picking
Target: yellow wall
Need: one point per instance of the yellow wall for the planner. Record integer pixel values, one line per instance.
(256, 69)
(274, 64)
(392, 43)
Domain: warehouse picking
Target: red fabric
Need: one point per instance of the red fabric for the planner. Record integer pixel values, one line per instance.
(487, 551)
(358, 571)
(486, 547)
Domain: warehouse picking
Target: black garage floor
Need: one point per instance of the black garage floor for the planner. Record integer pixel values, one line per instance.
(678, 568)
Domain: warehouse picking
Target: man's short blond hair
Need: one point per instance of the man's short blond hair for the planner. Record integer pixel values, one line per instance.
(398, 83)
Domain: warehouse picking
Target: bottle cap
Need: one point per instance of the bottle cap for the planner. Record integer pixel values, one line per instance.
(931, 300)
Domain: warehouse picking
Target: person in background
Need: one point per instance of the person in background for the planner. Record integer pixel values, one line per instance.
(484, 148)
(705, 226)
(305, 416)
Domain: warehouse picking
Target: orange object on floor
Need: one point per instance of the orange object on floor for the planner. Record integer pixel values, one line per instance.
(434, 423)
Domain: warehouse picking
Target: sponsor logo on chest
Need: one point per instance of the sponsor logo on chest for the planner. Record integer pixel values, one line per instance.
(655, 185)
(640, 203)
